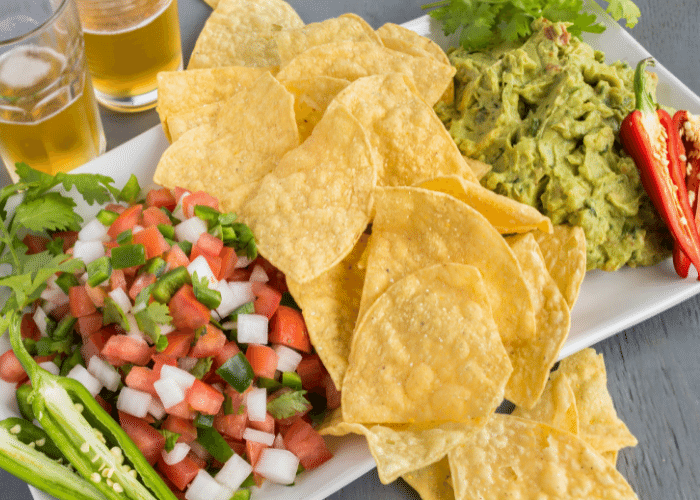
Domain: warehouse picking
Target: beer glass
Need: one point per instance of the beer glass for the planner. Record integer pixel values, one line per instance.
(48, 113)
(127, 42)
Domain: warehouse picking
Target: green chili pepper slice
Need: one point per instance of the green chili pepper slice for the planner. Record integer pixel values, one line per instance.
(25, 406)
(169, 283)
(237, 372)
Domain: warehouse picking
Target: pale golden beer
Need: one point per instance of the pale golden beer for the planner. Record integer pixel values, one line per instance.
(48, 113)
(127, 42)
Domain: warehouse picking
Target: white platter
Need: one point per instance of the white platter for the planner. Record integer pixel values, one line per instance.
(608, 302)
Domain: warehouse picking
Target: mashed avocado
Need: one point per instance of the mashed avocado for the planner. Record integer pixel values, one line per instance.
(546, 115)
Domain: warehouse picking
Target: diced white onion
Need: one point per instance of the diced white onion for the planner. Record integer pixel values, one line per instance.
(169, 392)
(201, 267)
(88, 251)
(279, 442)
(54, 294)
(224, 493)
(258, 436)
(134, 402)
(40, 319)
(119, 296)
(278, 466)
(183, 378)
(252, 329)
(234, 472)
(166, 329)
(203, 487)
(287, 359)
(190, 229)
(242, 262)
(104, 372)
(79, 373)
(186, 363)
(200, 451)
(92, 231)
(178, 213)
(176, 455)
(134, 330)
(228, 302)
(242, 292)
(156, 409)
(50, 367)
(256, 404)
(259, 274)
(136, 229)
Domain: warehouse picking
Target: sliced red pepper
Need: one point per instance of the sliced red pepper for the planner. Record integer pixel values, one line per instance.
(650, 138)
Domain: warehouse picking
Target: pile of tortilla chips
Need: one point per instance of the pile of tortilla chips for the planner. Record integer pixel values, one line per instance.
(428, 298)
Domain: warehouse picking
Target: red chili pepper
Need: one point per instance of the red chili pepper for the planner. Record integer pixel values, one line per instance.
(651, 139)
(688, 127)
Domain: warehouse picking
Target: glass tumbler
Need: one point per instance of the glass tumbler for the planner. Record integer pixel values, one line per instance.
(48, 113)
(127, 42)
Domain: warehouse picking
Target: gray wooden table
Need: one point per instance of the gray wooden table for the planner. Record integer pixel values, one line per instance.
(653, 368)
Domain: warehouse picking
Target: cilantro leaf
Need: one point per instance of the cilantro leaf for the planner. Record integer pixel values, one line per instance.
(149, 320)
(288, 404)
(619, 9)
(51, 212)
(112, 313)
(170, 439)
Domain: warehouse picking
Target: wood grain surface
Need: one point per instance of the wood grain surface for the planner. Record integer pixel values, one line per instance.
(653, 368)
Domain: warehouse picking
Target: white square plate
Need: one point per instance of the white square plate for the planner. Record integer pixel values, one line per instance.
(608, 302)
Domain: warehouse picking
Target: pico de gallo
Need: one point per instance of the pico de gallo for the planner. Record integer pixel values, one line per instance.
(188, 338)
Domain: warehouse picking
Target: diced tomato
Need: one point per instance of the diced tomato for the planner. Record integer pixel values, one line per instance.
(185, 428)
(231, 425)
(146, 438)
(267, 299)
(69, 238)
(11, 369)
(97, 295)
(204, 398)
(35, 244)
(253, 451)
(276, 277)
(182, 410)
(228, 263)
(179, 343)
(186, 310)
(153, 240)
(80, 303)
(104, 404)
(93, 345)
(311, 371)
(209, 343)
(213, 260)
(307, 444)
(161, 198)
(263, 360)
(237, 445)
(126, 220)
(228, 350)
(332, 393)
(117, 280)
(180, 495)
(115, 207)
(28, 328)
(288, 327)
(178, 192)
(210, 244)
(198, 198)
(201, 463)
(153, 216)
(240, 274)
(60, 311)
(87, 325)
(268, 425)
(142, 379)
(121, 349)
(176, 257)
(141, 282)
(180, 474)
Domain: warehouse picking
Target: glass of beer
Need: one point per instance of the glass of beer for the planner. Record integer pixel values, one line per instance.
(48, 113)
(127, 43)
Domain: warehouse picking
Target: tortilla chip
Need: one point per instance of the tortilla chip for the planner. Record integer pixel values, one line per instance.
(564, 252)
(242, 33)
(179, 123)
(427, 350)
(517, 458)
(599, 424)
(433, 482)
(479, 168)
(410, 140)
(507, 216)
(556, 407)
(348, 27)
(330, 304)
(400, 449)
(308, 214)
(414, 228)
(350, 61)
(393, 32)
(311, 99)
(212, 3)
(248, 141)
(533, 358)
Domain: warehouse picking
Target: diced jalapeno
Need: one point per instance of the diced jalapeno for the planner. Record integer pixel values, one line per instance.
(269, 383)
(202, 420)
(169, 283)
(155, 266)
(237, 372)
(66, 280)
(124, 237)
(185, 246)
(167, 231)
(106, 217)
(214, 443)
(99, 271)
(291, 380)
(128, 256)
(243, 494)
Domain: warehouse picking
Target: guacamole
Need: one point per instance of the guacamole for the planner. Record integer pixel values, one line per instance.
(546, 114)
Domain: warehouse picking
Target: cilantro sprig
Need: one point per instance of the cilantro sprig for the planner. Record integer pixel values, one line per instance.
(484, 23)
(41, 210)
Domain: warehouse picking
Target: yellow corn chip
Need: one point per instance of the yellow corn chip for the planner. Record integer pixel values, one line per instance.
(432, 482)
(179, 123)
